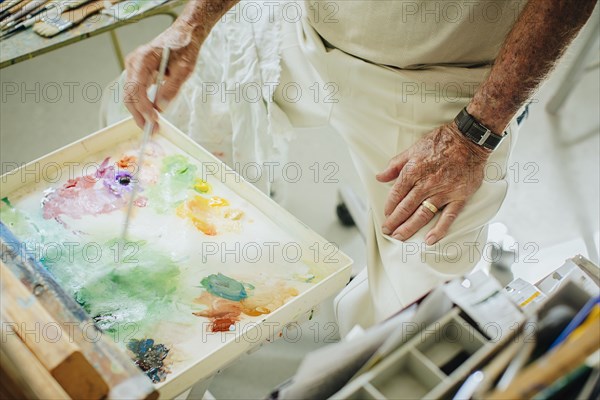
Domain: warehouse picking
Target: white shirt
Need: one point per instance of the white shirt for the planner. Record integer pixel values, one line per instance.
(415, 34)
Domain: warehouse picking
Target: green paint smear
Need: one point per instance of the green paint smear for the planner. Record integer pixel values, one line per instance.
(16, 221)
(225, 287)
(122, 294)
(126, 287)
(177, 176)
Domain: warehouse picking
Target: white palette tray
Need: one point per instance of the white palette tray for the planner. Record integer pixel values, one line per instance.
(163, 283)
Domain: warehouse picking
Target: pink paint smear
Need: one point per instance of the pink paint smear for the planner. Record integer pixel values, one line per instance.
(100, 193)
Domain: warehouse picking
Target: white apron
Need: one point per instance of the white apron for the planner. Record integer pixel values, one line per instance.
(381, 112)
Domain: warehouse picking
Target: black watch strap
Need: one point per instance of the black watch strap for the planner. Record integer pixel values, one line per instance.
(476, 132)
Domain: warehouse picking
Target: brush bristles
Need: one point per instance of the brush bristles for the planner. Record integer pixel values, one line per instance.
(51, 28)
(45, 29)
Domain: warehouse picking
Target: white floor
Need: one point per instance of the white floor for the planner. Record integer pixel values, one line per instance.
(553, 199)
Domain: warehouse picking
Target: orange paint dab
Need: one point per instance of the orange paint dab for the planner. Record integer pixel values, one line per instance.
(267, 300)
(197, 210)
(126, 161)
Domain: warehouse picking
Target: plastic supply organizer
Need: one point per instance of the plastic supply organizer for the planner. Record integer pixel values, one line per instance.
(435, 362)
(427, 366)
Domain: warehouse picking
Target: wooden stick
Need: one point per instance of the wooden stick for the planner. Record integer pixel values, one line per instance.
(20, 5)
(46, 339)
(22, 368)
(109, 359)
(553, 365)
(8, 4)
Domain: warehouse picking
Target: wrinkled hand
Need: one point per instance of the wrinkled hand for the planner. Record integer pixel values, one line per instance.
(443, 168)
(143, 64)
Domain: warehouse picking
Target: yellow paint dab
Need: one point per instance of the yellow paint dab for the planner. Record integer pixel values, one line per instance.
(211, 214)
(197, 210)
(234, 214)
(218, 202)
(200, 185)
(267, 299)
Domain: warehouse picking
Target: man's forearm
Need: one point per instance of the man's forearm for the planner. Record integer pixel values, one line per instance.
(202, 15)
(537, 40)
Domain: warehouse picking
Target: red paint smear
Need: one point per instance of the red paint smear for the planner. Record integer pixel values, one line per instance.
(222, 312)
(78, 197)
(222, 324)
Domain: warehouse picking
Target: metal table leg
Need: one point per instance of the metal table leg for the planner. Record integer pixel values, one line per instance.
(117, 48)
(200, 390)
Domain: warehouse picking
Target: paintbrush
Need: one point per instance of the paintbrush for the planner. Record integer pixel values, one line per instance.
(51, 27)
(31, 14)
(148, 128)
(8, 4)
(48, 6)
(24, 17)
(18, 6)
(13, 19)
(21, 26)
(12, 7)
(34, 17)
(61, 6)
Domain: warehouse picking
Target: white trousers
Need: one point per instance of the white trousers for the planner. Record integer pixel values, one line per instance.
(381, 112)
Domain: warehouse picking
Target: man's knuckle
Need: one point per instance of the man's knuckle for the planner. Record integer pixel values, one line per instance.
(395, 193)
(404, 178)
(430, 184)
(423, 186)
(423, 216)
(403, 209)
(451, 216)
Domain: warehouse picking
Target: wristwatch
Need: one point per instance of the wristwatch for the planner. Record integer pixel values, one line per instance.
(476, 132)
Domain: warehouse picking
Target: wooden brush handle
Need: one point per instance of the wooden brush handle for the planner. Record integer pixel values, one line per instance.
(7, 4)
(25, 370)
(59, 354)
(79, 14)
(17, 7)
(541, 373)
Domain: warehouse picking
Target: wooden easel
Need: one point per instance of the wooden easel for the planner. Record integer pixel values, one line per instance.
(46, 350)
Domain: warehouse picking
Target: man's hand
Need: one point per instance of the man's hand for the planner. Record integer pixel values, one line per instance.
(444, 168)
(143, 64)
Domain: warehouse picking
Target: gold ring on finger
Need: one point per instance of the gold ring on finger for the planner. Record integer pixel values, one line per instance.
(428, 205)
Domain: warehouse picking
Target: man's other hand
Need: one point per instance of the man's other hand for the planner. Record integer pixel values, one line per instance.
(443, 168)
